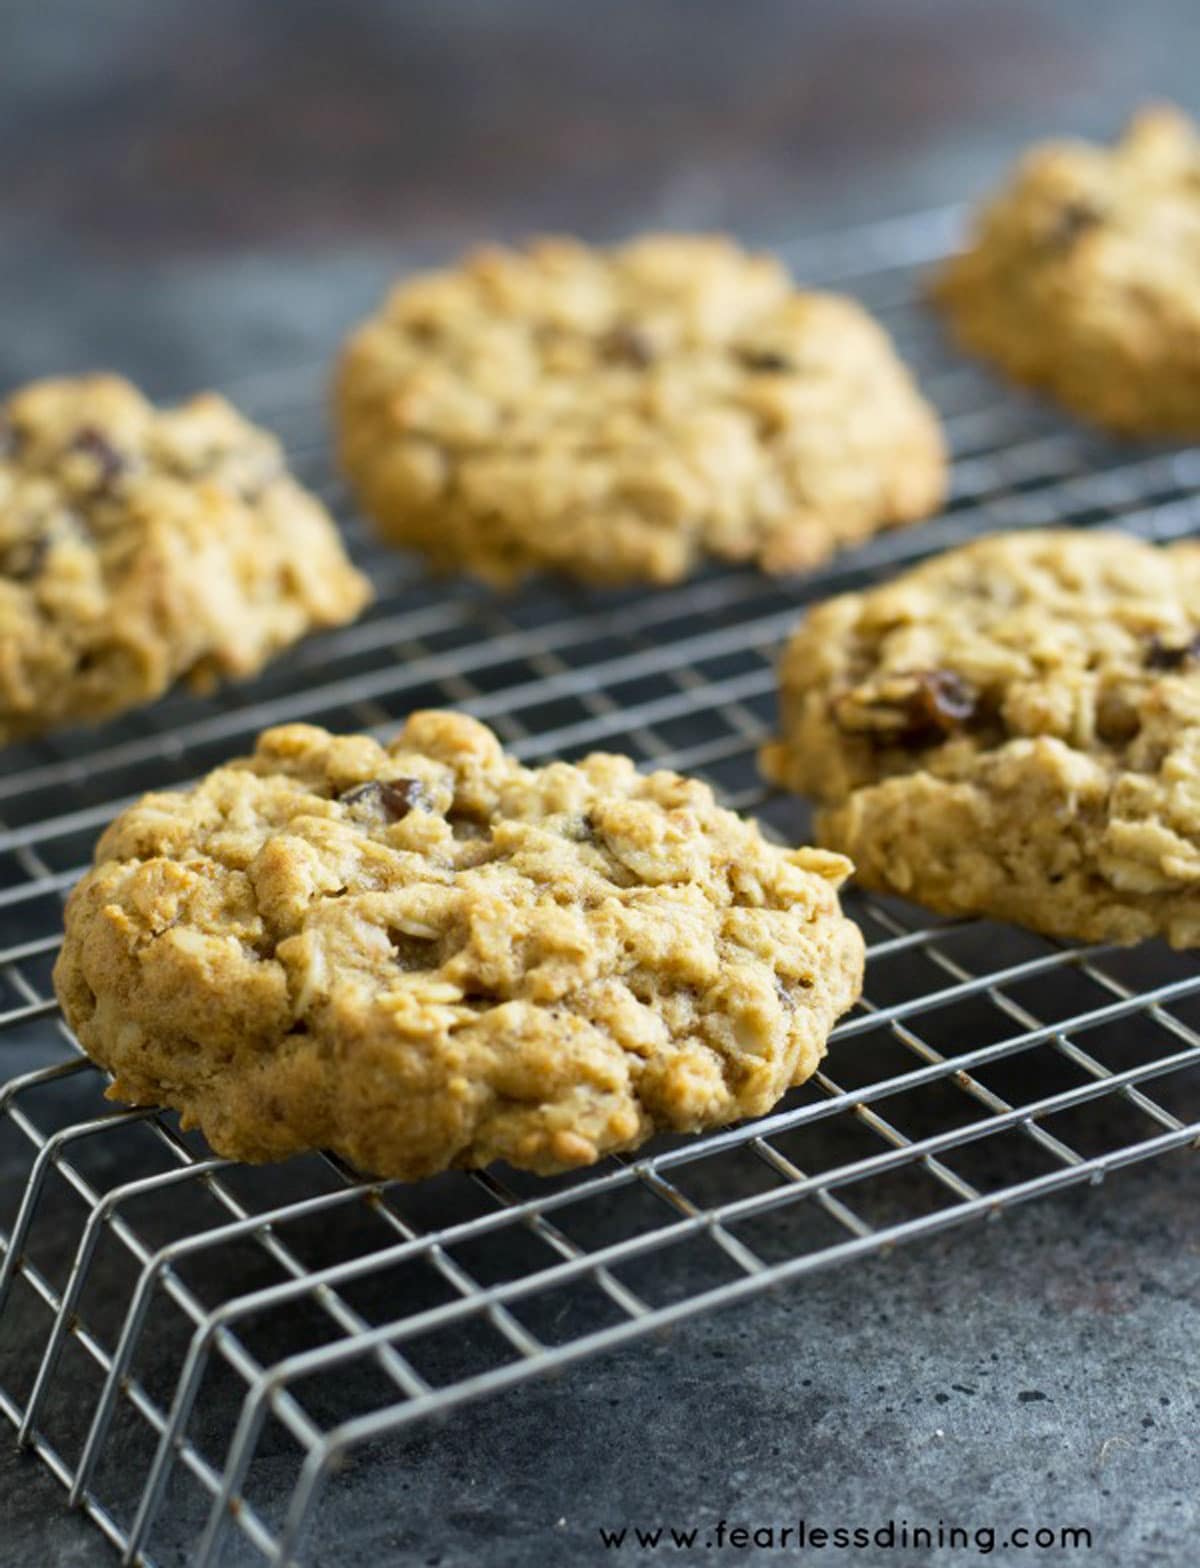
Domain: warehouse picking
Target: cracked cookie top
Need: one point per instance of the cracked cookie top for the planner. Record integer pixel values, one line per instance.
(623, 414)
(138, 546)
(1030, 689)
(425, 955)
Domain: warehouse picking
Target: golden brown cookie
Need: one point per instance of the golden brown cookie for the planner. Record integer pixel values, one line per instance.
(138, 547)
(1012, 729)
(621, 415)
(425, 955)
(1082, 277)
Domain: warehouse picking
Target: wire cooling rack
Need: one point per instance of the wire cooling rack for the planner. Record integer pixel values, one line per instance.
(149, 1290)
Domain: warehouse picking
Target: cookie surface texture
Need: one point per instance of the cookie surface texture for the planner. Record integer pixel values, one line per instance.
(623, 415)
(426, 955)
(1012, 729)
(139, 547)
(1082, 277)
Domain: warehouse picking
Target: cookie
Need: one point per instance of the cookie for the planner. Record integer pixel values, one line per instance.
(1082, 277)
(621, 415)
(425, 955)
(1012, 729)
(138, 547)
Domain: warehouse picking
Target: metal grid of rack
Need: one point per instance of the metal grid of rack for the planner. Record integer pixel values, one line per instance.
(983, 1067)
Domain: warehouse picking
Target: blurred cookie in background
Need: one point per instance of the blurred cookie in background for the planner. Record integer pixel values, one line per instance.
(1082, 277)
(623, 415)
(141, 546)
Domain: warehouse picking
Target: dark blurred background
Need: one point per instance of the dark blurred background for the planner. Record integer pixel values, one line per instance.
(187, 188)
(198, 193)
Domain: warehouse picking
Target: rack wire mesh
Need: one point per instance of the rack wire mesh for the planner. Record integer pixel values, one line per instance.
(984, 1066)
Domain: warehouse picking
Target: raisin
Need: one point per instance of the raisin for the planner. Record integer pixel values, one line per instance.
(940, 701)
(765, 361)
(1118, 721)
(93, 443)
(1074, 219)
(389, 799)
(1171, 656)
(627, 345)
(24, 560)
